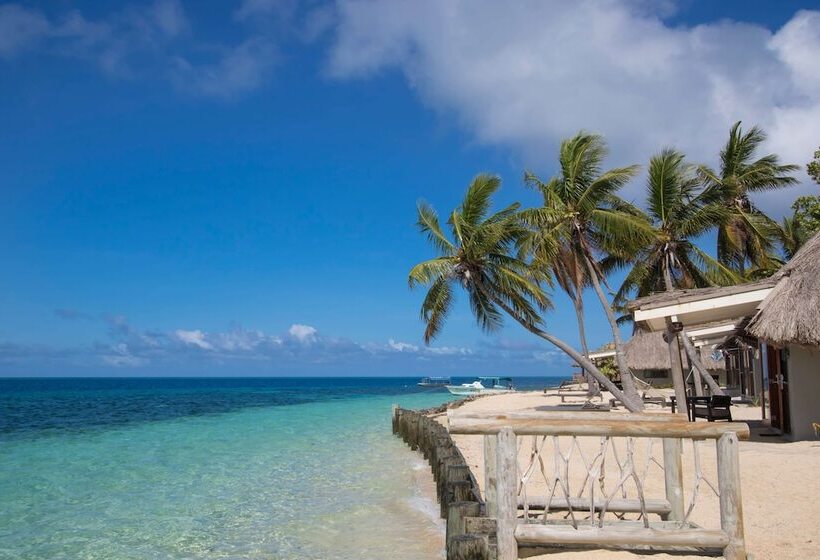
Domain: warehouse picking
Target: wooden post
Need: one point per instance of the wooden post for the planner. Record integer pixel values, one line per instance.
(490, 496)
(677, 367)
(697, 381)
(458, 486)
(395, 417)
(673, 477)
(731, 507)
(507, 493)
(414, 432)
(441, 485)
(459, 491)
(469, 547)
(456, 514)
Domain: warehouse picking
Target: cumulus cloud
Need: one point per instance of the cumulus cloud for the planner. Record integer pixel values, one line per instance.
(402, 346)
(526, 74)
(300, 348)
(194, 338)
(302, 333)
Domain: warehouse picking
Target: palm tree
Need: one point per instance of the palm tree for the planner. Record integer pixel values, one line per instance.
(481, 259)
(746, 235)
(571, 276)
(589, 219)
(679, 211)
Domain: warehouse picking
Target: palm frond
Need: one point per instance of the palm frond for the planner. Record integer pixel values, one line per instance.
(435, 308)
(429, 225)
(430, 271)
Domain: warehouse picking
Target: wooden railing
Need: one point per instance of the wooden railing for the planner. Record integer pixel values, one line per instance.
(592, 514)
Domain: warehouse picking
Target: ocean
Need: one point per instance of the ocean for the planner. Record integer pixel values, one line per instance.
(204, 468)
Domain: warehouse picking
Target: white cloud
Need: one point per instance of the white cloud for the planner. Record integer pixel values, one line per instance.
(194, 338)
(302, 333)
(529, 73)
(448, 350)
(402, 346)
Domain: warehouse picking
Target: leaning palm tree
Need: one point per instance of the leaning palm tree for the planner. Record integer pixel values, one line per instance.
(572, 277)
(482, 259)
(679, 211)
(746, 235)
(590, 220)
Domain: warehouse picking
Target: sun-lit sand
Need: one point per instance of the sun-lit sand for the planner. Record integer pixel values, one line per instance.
(779, 482)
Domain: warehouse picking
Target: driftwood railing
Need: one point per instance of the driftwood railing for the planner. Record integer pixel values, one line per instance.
(469, 536)
(588, 505)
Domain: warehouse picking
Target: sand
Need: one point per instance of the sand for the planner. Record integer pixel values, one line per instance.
(779, 483)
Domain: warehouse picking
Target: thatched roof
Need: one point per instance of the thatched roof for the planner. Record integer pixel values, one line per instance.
(679, 296)
(647, 350)
(708, 359)
(790, 314)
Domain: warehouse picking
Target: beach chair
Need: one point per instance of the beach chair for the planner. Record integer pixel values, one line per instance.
(716, 407)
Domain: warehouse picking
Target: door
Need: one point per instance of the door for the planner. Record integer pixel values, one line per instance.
(777, 362)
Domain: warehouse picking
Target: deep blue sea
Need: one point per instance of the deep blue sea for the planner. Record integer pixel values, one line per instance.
(196, 468)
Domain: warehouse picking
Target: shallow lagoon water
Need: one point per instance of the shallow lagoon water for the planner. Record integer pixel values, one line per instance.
(226, 471)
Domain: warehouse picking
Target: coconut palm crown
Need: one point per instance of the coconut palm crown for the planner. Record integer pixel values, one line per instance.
(746, 235)
(586, 219)
(482, 256)
(480, 260)
(679, 211)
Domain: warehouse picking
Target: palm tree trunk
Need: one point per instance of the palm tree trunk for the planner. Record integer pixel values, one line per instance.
(673, 340)
(694, 358)
(567, 349)
(626, 374)
(578, 302)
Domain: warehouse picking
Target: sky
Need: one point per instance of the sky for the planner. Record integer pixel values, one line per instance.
(203, 188)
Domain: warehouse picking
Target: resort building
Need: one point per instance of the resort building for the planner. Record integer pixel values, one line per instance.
(768, 333)
(647, 355)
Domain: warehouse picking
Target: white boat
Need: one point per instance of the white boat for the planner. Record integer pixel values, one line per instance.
(434, 382)
(483, 386)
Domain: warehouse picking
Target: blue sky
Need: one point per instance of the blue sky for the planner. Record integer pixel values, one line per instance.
(230, 189)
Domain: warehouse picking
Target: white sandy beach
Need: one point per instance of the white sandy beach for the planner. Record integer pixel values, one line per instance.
(779, 482)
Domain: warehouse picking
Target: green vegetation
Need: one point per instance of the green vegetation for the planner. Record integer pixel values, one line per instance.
(746, 235)
(586, 218)
(504, 261)
(813, 167)
(481, 259)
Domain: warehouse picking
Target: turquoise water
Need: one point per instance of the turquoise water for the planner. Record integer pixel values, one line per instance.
(212, 471)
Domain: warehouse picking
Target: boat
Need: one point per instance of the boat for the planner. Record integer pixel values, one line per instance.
(483, 386)
(434, 382)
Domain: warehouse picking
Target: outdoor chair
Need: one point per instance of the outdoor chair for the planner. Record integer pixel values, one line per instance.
(716, 407)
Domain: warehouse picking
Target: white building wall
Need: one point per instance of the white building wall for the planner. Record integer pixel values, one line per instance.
(804, 391)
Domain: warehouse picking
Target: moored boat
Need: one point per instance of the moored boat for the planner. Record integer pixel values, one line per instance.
(483, 386)
(434, 382)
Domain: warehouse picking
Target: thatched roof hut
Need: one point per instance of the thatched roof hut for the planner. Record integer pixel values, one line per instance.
(647, 350)
(790, 314)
